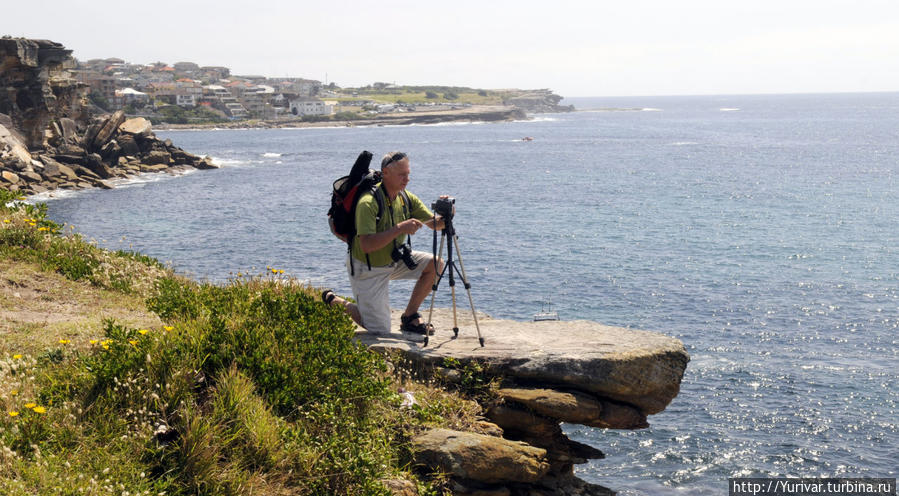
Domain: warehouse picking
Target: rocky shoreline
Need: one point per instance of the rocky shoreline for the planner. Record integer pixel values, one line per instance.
(48, 139)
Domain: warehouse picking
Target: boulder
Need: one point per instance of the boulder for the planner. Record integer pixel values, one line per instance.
(638, 368)
(481, 458)
(157, 157)
(205, 163)
(128, 145)
(67, 172)
(96, 165)
(573, 407)
(31, 177)
(107, 130)
(577, 408)
(111, 150)
(136, 126)
(9, 177)
(154, 168)
(69, 130)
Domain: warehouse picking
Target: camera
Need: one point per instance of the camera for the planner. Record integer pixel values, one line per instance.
(444, 207)
(404, 253)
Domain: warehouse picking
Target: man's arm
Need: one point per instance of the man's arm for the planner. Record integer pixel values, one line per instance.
(376, 241)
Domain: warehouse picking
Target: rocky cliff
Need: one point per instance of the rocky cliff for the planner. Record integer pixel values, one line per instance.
(538, 101)
(548, 373)
(49, 140)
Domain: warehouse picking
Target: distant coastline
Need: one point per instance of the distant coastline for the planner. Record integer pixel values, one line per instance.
(475, 113)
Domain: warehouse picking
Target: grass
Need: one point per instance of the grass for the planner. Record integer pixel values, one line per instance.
(119, 377)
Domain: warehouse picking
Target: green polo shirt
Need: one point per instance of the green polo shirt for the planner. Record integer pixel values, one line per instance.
(367, 210)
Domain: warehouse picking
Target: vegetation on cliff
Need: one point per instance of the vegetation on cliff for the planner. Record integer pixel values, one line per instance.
(253, 387)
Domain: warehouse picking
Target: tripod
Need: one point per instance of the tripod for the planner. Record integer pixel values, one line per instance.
(450, 232)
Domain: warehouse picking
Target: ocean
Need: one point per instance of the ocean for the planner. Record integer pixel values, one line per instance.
(760, 230)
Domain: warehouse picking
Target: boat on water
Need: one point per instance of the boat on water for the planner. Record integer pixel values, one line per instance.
(546, 312)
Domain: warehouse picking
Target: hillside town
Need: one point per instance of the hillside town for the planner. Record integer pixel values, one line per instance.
(144, 89)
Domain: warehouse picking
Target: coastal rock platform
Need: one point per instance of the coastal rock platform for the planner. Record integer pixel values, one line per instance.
(548, 373)
(638, 368)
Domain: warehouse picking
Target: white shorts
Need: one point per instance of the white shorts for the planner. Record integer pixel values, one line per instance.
(371, 291)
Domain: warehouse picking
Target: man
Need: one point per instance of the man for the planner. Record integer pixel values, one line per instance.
(372, 264)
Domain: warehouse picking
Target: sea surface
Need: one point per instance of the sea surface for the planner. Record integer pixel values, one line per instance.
(760, 230)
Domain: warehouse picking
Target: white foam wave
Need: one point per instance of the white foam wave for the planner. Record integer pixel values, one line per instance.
(683, 143)
(272, 155)
(136, 181)
(650, 109)
(729, 109)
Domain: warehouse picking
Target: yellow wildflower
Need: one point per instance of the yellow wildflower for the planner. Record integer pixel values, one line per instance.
(168, 328)
(13, 414)
(94, 341)
(133, 342)
(14, 392)
(143, 331)
(64, 341)
(105, 346)
(39, 409)
(6, 221)
(17, 356)
(30, 405)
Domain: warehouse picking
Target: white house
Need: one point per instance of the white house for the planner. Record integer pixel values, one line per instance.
(308, 106)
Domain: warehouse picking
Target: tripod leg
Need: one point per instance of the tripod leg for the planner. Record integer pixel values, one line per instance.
(437, 277)
(468, 289)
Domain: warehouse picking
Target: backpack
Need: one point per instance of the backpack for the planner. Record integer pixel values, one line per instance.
(345, 194)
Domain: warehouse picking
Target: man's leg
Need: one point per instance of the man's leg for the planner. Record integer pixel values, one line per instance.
(424, 285)
(350, 308)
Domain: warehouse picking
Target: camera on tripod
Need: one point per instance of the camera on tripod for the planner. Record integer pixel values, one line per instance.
(404, 253)
(444, 207)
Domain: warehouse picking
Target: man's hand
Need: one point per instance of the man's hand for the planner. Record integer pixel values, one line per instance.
(409, 226)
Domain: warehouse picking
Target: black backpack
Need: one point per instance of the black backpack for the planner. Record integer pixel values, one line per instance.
(345, 194)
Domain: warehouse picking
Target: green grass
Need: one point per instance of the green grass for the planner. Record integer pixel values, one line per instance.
(249, 387)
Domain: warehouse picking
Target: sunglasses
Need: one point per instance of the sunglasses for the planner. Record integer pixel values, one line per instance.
(395, 158)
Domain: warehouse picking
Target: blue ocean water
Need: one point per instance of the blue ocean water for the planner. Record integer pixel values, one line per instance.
(760, 230)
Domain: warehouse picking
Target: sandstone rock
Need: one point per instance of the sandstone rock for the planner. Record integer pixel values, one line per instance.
(206, 163)
(640, 368)
(128, 144)
(31, 177)
(519, 421)
(9, 177)
(96, 165)
(69, 130)
(573, 407)
(67, 172)
(156, 157)
(136, 125)
(153, 168)
(37, 189)
(105, 133)
(111, 150)
(51, 167)
(400, 487)
(478, 457)
(84, 173)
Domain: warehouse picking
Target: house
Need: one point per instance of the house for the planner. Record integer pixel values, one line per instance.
(130, 96)
(309, 106)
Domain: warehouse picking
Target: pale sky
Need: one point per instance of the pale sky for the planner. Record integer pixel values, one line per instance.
(586, 48)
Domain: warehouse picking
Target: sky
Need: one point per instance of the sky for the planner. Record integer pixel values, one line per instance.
(575, 48)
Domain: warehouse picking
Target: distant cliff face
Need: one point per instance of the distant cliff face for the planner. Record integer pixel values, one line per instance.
(36, 87)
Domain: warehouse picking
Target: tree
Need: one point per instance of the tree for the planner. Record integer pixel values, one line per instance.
(430, 94)
(449, 95)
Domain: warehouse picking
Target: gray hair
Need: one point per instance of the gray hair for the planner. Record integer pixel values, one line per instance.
(391, 158)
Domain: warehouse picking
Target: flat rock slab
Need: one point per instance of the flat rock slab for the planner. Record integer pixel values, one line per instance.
(641, 368)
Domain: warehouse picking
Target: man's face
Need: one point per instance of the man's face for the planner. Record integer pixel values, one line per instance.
(396, 176)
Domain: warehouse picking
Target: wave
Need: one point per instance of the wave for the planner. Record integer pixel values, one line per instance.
(650, 109)
(272, 155)
(136, 181)
(728, 109)
(683, 143)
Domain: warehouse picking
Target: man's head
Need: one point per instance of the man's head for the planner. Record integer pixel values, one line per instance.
(395, 172)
